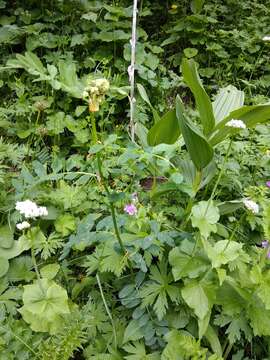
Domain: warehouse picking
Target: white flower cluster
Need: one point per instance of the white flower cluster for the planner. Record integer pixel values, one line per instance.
(23, 225)
(266, 38)
(30, 209)
(95, 92)
(237, 124)
(251, 205)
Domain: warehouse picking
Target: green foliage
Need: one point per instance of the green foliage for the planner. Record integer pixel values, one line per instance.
(205, 216)
(43, 304)
(187, 275)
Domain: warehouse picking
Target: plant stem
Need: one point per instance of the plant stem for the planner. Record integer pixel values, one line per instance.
(227, 352)
(219, 177)
(107, 310)
(19, 339)
(196, 185)
(95, 140)
(221, 171)
(117, 233)
(36, 269)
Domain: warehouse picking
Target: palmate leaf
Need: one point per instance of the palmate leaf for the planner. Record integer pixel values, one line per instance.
(137, 351)
(157, 291)
(113, 261)
(223, 252)
(182, 346)
(199, 149)
(44, 304)
(203, 103)
(205, 216)
(184, 265)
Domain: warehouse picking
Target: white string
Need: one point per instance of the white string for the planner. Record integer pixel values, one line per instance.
(131, 69)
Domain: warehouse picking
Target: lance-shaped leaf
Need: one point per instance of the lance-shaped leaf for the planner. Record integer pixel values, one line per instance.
(200, 151)
(166, 130)
(250, 115)
(227, 100)
(203, 103)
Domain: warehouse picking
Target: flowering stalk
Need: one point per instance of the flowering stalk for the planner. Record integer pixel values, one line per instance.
(219, 177)
(95, 140)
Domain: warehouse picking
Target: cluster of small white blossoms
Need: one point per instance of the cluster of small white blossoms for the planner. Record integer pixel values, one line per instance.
(94, 92)
(23, 225)
(237, 124)
(266, 38)
(30, 210)
(251, 205)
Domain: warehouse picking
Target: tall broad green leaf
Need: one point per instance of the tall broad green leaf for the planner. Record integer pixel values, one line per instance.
(200, 151)
(203, 103)
(227, 100)
(250, 115)
(166, 130)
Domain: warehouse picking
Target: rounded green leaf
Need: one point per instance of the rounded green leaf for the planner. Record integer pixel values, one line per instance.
(6, 237)
(4, 265)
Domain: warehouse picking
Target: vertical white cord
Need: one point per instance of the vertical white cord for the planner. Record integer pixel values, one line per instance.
(131, 69)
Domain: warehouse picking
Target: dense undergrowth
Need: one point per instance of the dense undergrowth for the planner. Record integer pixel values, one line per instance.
(140, 250)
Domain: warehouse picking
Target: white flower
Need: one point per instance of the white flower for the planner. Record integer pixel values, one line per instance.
(43, 211)
(251, 205)
(30, 209)
(102, 84)
(266, 38)
(85, 94)
(23, 225)
(237, 124)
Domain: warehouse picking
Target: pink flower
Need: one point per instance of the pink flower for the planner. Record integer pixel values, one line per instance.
(268, 183)
(264, 244)
(130, 209)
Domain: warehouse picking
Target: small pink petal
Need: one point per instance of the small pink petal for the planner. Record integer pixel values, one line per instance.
(264, 244)
(130, 209)
(268, 183)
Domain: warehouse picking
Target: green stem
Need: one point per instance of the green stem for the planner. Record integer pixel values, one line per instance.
(219, 177)
(196, 185)
(36, 270)
(19, 339)
(107, 310)
(95, 141)
(221, 171)
(227, 352)
(233, 233)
